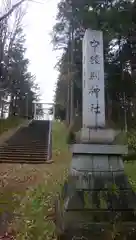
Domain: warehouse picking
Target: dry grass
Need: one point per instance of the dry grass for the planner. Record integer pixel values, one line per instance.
(28, 190)
(9, 123)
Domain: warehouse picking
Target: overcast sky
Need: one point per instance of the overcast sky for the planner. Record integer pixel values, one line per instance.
(39, 21)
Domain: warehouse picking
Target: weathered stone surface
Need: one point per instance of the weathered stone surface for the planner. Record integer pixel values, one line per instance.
(93, 80)
(99, 149)
(88, 135)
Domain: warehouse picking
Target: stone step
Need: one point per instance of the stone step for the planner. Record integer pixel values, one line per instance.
(28, 151)
(8, 154)
(28, 145)
(11, 151)
(18, 159)
(24, 146)
(30, 136)
(23, 153)
(31, 147)
(22, 158)
(24, 140)
(24, 161)
(39, 134)
(27, 139)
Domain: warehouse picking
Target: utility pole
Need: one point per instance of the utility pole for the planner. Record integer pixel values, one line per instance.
(68, 78)
(125, 112)
(70, 90)
(26, 100)
(72, 69)
(124, 104)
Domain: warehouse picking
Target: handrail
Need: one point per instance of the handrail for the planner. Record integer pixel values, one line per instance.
(49, 140)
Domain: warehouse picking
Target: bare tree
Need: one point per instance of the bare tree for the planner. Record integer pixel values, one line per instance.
(8, 34)
(12, 14)
(11, 10)
(9, 27)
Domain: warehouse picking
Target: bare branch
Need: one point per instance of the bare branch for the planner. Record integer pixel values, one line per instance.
(11, 10)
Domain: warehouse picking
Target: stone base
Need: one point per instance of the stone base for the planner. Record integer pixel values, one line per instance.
(89, 135)
(99, 149)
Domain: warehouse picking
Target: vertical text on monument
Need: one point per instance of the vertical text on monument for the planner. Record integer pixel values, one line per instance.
(93, 80)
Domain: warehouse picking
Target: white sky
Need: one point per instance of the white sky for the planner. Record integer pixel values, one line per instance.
(38, 22)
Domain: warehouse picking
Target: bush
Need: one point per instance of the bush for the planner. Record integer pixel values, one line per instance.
(132, 139)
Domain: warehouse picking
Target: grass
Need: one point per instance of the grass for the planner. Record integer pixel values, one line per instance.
(28, 191)
(130, 169)
(37, 201)
(11, 122)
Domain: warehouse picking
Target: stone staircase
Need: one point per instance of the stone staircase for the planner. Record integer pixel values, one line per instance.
(30, 144)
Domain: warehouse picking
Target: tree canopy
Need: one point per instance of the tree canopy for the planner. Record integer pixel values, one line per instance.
(117, 20)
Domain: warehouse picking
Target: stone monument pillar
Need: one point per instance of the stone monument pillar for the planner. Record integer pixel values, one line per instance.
(96, 160)
(93, 114)
(93, 87)
(93, 192)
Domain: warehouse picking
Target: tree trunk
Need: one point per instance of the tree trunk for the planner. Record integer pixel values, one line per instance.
(2, 109)
(11, 107)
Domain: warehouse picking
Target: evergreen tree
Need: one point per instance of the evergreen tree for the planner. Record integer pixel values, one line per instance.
(119, 51)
